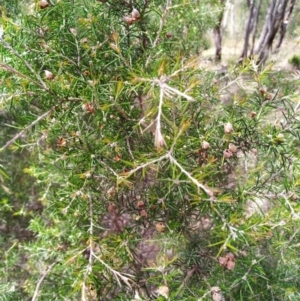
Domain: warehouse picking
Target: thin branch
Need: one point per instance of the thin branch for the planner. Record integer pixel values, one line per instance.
(191, 64)
(78, 51)
(195, 181)
(233, 232)
(75, 195)
(8, 96)
(179, 93)
(288, 123)
(116, 274)
(189, 274)
(161, 25)
(131, 172)
(73, 99)
(248, 31)
(159, 139)
(129, 147)
(10, 48)
(91, 245)
(294, 215)
(109, 168)
(37, 288)
(13, 70)
(158, 118)
(244, 278)
(8, 143)
(205, 296)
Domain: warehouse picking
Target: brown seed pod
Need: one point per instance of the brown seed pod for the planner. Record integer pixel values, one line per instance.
(293, 197)
(73, 31)
(43, 4)
(160, 227)
(48, 75)
(61, 142)
(135, 14)
(223, 261)
(140, 204)
(230, 265)
(205, 145)
(45, 46)
(129, 20)
(111, 208)
(117, 158)
(230, 256)
(143, 213)
(163, 291)
(254, 151)
(169, 35)
(88, 107)
(232, 148)
(228, 128)
(263, 90)
(216, 294)
(83, 40)
(227, 154)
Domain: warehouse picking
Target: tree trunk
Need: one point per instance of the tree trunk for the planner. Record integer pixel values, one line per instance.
(218, 43)
(275, 20)
(218, 35)
(266, 28)
(284, 24)
(255, 17)
(249, 29)
(275, 25)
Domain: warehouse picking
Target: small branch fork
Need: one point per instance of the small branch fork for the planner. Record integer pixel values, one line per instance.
(8, 143)
(118, 276)
(175, 162)
(37, 288)
(193, 180)
(41, 83)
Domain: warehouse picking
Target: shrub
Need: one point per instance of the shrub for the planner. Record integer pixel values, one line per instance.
(151, 186)
(295, 61)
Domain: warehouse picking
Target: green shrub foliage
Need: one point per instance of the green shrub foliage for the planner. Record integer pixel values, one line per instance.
(295, 61)
(157, 178)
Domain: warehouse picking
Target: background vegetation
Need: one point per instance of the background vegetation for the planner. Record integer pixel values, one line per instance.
(129, 172)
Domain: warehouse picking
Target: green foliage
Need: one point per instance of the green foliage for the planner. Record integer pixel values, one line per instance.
(156, 177)
(295, 61)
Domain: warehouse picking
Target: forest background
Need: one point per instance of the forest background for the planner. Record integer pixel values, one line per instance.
(139, 164)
